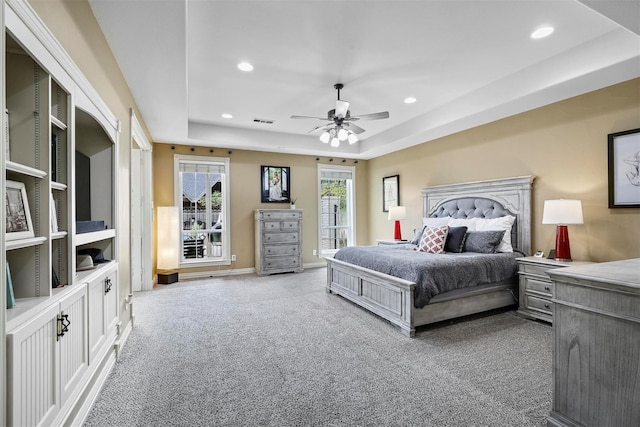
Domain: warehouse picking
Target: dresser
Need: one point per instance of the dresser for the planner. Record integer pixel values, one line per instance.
(596, 332)
(278, 241)
(536, 287)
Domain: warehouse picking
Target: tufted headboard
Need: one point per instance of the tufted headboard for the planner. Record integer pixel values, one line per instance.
(486, 199)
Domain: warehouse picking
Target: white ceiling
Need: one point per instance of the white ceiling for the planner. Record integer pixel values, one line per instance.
(467, 63)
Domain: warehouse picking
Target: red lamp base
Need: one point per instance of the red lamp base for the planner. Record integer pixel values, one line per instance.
(397, 235)
(563, 250)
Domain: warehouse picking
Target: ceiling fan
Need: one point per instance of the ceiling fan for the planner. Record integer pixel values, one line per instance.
(342, 127)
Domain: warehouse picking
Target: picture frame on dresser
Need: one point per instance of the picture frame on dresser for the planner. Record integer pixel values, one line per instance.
(390, 192)
(275, 184)
(18, 221)
(624, 169)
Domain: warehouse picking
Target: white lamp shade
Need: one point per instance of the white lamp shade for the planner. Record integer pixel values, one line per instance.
(343, 134)
(168, 237)
(562, 211)
(335, 142)
(325, 137)
(397, 212)
(353, 138)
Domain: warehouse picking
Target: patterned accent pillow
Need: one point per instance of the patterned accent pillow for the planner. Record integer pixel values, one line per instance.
(433, 239)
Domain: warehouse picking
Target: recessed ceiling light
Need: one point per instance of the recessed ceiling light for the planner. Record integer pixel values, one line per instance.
(542, 32)
(410, 100)
(245, 66)
(227, 116)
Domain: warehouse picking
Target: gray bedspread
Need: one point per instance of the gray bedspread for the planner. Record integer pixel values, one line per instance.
(433, 273)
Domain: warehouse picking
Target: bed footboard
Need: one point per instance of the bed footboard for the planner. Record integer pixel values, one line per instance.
(389, 297)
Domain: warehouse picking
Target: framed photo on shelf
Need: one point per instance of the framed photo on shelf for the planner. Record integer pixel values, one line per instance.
(18, 223)
(11, 299)
(624, 169)
(390, 192)
(275, 184)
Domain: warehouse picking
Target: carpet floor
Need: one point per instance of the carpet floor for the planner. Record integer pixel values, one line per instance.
(280, 351)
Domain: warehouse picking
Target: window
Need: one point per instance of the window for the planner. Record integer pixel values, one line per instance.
(336, 208)
(202, 194)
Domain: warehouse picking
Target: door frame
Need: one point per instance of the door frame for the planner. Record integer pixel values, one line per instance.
(141, 221)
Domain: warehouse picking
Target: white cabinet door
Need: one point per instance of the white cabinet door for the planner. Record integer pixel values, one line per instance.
(33, 397)
(74, 360)
(97, 317)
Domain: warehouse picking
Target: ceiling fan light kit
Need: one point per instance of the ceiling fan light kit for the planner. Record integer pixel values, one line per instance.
(342, 127)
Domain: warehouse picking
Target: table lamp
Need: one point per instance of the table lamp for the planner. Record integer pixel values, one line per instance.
(562, 212)
(396, 213)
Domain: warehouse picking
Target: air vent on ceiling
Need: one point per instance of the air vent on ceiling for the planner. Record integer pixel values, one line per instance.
(265, 121)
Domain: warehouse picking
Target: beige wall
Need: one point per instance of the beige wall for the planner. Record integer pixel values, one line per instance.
(74, 26)
(564, 145)
(245, 195)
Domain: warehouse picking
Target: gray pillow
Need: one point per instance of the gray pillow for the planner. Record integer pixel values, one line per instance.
(455, 239)
(484, 242)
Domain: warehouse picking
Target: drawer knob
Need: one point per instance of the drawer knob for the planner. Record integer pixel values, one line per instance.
(547, 288)
(547, 306)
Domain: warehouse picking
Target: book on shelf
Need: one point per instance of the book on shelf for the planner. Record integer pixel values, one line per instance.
(11, 299)
(54, 216)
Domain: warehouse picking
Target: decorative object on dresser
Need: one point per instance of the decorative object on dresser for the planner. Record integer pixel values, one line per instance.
(168, 244)
(536, 288)
(596, 377)
(396, 213)
(278, 241)
(275, 184)
(396, 299)
(562, 212)
(390, 192)
(624, 169)
(19, 225)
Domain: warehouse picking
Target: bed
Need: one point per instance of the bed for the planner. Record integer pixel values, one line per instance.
(394, 298)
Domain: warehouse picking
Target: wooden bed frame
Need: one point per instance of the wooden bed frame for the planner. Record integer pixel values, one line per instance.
(392, 298)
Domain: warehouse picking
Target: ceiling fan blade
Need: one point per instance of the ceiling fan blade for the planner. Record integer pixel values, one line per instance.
(353, 128)
(342, 107)
(372, 116)
(321, 127)
(308, 117)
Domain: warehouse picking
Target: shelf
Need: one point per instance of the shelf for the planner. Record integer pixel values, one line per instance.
(24, 243)
(58, 235)
(58, 123)
(24, 169)
(24, 311)
(88, 275)
(58, 186)
(96, 236)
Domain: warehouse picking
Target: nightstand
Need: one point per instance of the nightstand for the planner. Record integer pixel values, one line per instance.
(536, 288)
(391, 242)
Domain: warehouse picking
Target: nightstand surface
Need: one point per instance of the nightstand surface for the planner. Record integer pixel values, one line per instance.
(536, 287)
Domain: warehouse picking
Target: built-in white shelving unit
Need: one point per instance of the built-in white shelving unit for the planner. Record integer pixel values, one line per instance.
(62, 149)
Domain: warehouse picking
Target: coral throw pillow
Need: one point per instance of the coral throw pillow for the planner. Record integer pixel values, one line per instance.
(433, 239)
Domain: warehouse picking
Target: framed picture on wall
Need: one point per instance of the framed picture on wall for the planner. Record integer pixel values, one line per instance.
(624, 169)
(275, 184)
(390, 192)
(18, 221)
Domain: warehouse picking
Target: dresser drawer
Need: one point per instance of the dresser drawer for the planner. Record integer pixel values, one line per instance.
(538, 270)
(280, 214)
(281, 262)
(278, 250)
(532, 284)
(280, 237)
(539, 304)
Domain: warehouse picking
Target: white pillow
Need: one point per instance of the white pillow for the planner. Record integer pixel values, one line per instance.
(435, 222)
(502, 223)
(470, 223)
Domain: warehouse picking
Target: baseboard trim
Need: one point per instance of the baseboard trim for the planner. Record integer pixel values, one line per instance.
(314, 265)
(122, 340)
(217, 273)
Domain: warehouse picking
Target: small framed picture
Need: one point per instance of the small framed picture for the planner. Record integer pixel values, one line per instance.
(18, 222)
(390, 192)
(624, 169)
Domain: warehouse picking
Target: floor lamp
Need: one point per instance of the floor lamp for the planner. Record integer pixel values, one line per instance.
(396, 213)
(562, 212)
(168, 244)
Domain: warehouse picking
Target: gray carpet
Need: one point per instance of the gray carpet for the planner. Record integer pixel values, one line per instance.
(280, 351)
